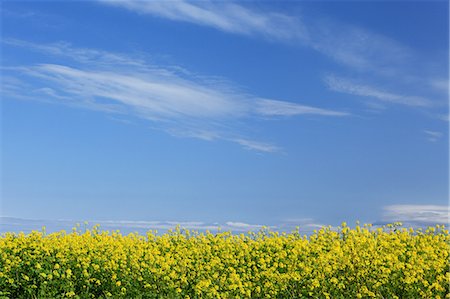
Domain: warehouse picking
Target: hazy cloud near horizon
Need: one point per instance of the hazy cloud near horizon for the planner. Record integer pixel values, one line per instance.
(417, 214)
(410, 215)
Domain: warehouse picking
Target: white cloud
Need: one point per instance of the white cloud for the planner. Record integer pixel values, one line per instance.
(360, 49)
(444, 117)
(357, 47)
(417, 214)
(149, 94)
(440, 84)
(305, 225)
(255, 145)
(152, 225)
(346, 44)
(433, 136)
(182, 104)
(82, 55)
(281, 108)
(225, 16)
(241, 226)
(349, 87)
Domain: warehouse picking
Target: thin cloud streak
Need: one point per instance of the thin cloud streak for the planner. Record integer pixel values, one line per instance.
(358, 48)
(433, 136)
(440, 84)
(444, 117)
(225, 16)
(280, 108)
(181, 104)
(256, 145)
(347, 86)
(82, 55)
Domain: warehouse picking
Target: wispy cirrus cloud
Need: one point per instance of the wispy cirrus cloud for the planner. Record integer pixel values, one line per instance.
(256, 145)
(269, 107)
(81, 55)
(440, 84)
(224, 16)
(444, 117)
(180, 103)
(433, 136)
(359, 49)
(348, 86)
(346, 44)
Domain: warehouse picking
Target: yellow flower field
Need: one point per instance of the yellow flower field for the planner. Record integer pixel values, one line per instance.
(364, 262)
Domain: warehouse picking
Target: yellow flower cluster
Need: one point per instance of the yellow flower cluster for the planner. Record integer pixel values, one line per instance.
(363, 262)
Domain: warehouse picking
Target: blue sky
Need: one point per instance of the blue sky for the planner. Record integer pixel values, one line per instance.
(228, 113)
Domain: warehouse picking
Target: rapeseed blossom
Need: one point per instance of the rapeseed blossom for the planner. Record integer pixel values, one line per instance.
(389, 262)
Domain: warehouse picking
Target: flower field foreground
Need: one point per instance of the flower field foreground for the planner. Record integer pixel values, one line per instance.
(364, 262)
